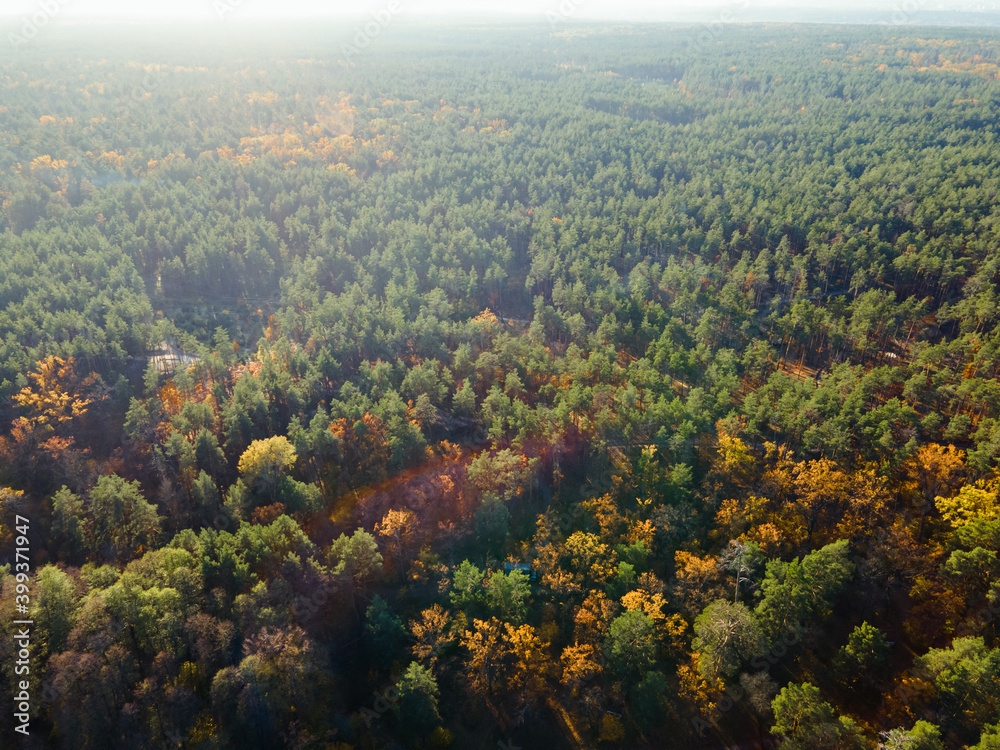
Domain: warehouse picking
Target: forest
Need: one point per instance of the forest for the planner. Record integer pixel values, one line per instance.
(556, 386)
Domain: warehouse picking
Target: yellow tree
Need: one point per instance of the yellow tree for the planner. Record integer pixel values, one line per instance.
(590, 557)
(652, 605)
(580, 664)
(735, 462)
(972, 503)
(930, 472)
(10, 503)
(821, 490)
(266, 461)
(698, 580)
(506, 666)
(397, 528)
(432, 635)
(867, 510)
(593, 618)
(55, 394)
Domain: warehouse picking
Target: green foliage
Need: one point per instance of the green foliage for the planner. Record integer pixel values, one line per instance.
(454, 283)
(990, 739)
(923, 736)
(803, 720)
(506, 594)
(505, 473)
(54, 603)
(492, 521)
(466, 587)
(124, 523)
(630, 645)
(384, 630)
(797, 593)
(726, 635)
(356, 557)
(865, 657)
(966, 677)
(418, 700)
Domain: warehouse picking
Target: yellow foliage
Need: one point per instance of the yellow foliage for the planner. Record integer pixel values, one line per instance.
(54, 394)
(972, 503)
(701, 693)
(612, 729)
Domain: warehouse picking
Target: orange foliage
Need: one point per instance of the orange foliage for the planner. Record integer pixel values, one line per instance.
(267, 514)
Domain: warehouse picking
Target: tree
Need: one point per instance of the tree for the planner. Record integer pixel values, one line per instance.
(492, 521)
(726, 635)
(821, 489)
(507, 595)
(797, 592)
(53, 603)
(464, 400)
(804, 721)
(630, 645)
(580, 664)
(990, 739)
(279, 677)
(505, 474)
(123, 524)
(923, 736)
(649, 698)
(384, 630)
(355, 557)
(264, 463)
(397, 527)
(865, 656)
(932, 468)
(432, 634)
(466, 587)
(68, 524)
(418, 700)
(744, 560)
(55, 394)
(970, 504)
(966, 678)
(506, 665)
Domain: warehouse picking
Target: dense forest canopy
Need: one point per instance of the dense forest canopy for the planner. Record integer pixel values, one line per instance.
(567, 386)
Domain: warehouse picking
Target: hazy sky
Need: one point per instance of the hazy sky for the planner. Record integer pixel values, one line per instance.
(209, 10)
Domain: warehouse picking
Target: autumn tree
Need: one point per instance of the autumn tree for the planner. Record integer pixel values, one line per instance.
(930, 470)
(397, 528)
(56, 394)
(506, 665)
(264, 462)
(432, 634)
